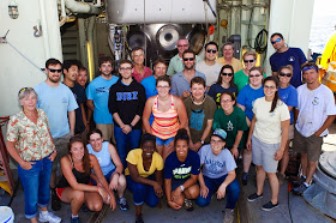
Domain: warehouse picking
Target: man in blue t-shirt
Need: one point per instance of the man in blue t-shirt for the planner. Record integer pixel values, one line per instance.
(97, 94)
(285, 55)
(59, 104)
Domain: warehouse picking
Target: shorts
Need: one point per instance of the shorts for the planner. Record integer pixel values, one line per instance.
(164, 142)
(59, 191)
(263, 155)
(61, 145)
(311, 145)
(291, 132)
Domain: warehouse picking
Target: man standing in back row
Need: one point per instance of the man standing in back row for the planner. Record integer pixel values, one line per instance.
(285, 55)
(316, 111)
(228, 58)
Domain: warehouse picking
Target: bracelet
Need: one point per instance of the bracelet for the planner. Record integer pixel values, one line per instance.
(182, 187)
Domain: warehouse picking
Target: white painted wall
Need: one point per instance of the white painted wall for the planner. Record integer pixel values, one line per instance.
(293, 19)
(16, 71)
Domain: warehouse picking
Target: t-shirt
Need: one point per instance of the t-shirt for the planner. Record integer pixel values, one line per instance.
(232, 123)
(216, 166)
(147, 72)
(149, 83)
(294, 57)
(235, 63)
(181, 171)
(268, 125)
(247, 96)
(314, 107)
(98, 92)
(198, 115)
(103, 157)
(79, 93)
(56, 102)
(289, 96)
(211, 71)
(216, 91)
(181, 84)
(135, 157)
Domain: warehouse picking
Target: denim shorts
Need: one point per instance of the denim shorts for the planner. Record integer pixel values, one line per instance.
(164, 142)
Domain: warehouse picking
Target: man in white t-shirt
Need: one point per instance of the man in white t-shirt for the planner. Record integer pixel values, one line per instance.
(315, 113)
(209, 66)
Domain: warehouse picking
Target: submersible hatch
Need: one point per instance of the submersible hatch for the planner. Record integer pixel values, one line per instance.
(322, 194)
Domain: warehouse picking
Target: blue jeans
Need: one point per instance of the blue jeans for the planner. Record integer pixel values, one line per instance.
(232, 192)
(35, 184)
(126, 142)
(142, 192)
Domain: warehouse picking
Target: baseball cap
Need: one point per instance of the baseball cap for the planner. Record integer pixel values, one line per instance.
(220, 133)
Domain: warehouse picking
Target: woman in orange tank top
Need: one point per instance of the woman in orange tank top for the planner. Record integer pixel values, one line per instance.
(169, 115)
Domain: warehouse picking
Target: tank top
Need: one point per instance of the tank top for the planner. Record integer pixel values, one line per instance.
(165, 124)
(83, 178)
(103, 157)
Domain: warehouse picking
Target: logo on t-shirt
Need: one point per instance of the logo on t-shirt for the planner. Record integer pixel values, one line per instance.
(315, 101)
(291, 59)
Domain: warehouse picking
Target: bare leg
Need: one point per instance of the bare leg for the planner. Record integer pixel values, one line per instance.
(304, 163)
(93, 201)
(310, 171)
(33, 220)
(247, 160)
(261, 175)
(75, 198)
(274, 183)
(138, 210)
(284, 160)
(121, 186)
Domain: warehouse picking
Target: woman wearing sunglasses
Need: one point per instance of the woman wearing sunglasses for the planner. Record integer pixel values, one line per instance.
(224, 84)
(288, 94)
(268, 137)
(241, 77)
(245, 100)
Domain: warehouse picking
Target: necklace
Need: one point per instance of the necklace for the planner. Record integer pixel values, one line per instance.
(197, 102)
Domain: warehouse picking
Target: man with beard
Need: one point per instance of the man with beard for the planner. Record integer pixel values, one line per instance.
(59, 104)
(181, 80)
(70, 72)
(97, 94)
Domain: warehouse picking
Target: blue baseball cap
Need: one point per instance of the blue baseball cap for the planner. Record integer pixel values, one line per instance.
(220, 133)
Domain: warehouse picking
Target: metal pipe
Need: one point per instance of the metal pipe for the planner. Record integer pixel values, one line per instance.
(81, 7)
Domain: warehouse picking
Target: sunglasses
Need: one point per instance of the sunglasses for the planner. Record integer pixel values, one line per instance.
(248, 61)
(183, 45)
(277, 40)
(227, 74)
(285, 74)
(257, 75)
(55, 70)
(269, 87)
(188, 59)
(211, 51)
(22, 90)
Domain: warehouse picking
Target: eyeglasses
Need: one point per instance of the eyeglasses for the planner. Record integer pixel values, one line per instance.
(285, 74)
(257, 75)
(248, 61)
(188, 59)
(270, 87)
(277, 40)
(226, 101)
(211, 51)
(163, 87)
(55, 70)
(125, 68)
(227, 74)
(183, 45)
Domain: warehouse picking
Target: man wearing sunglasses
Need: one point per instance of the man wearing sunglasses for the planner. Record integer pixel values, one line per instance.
(181, 80)
(176, 63)
(209, 66)
(285, 55)
(59, 104)
(227, 58)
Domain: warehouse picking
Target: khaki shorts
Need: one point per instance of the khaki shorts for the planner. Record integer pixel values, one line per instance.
(108, 132)
(311, 145)
(61, 145)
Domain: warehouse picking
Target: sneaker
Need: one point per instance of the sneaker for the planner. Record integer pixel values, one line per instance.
(254, 197)
(244, 178)
(123, 204)
(269, 206)
(188, 205)
(300, 189)
(55, 201)
(74, 220)
(49, 217)
(229, 216)
(139, 219)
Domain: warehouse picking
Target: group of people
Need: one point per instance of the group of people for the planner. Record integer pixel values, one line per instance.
(179, 135)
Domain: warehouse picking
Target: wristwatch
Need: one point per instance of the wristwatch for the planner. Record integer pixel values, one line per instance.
(182, 187)
(202, 142)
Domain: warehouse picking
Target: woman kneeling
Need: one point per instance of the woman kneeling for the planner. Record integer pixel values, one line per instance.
(74, 186)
